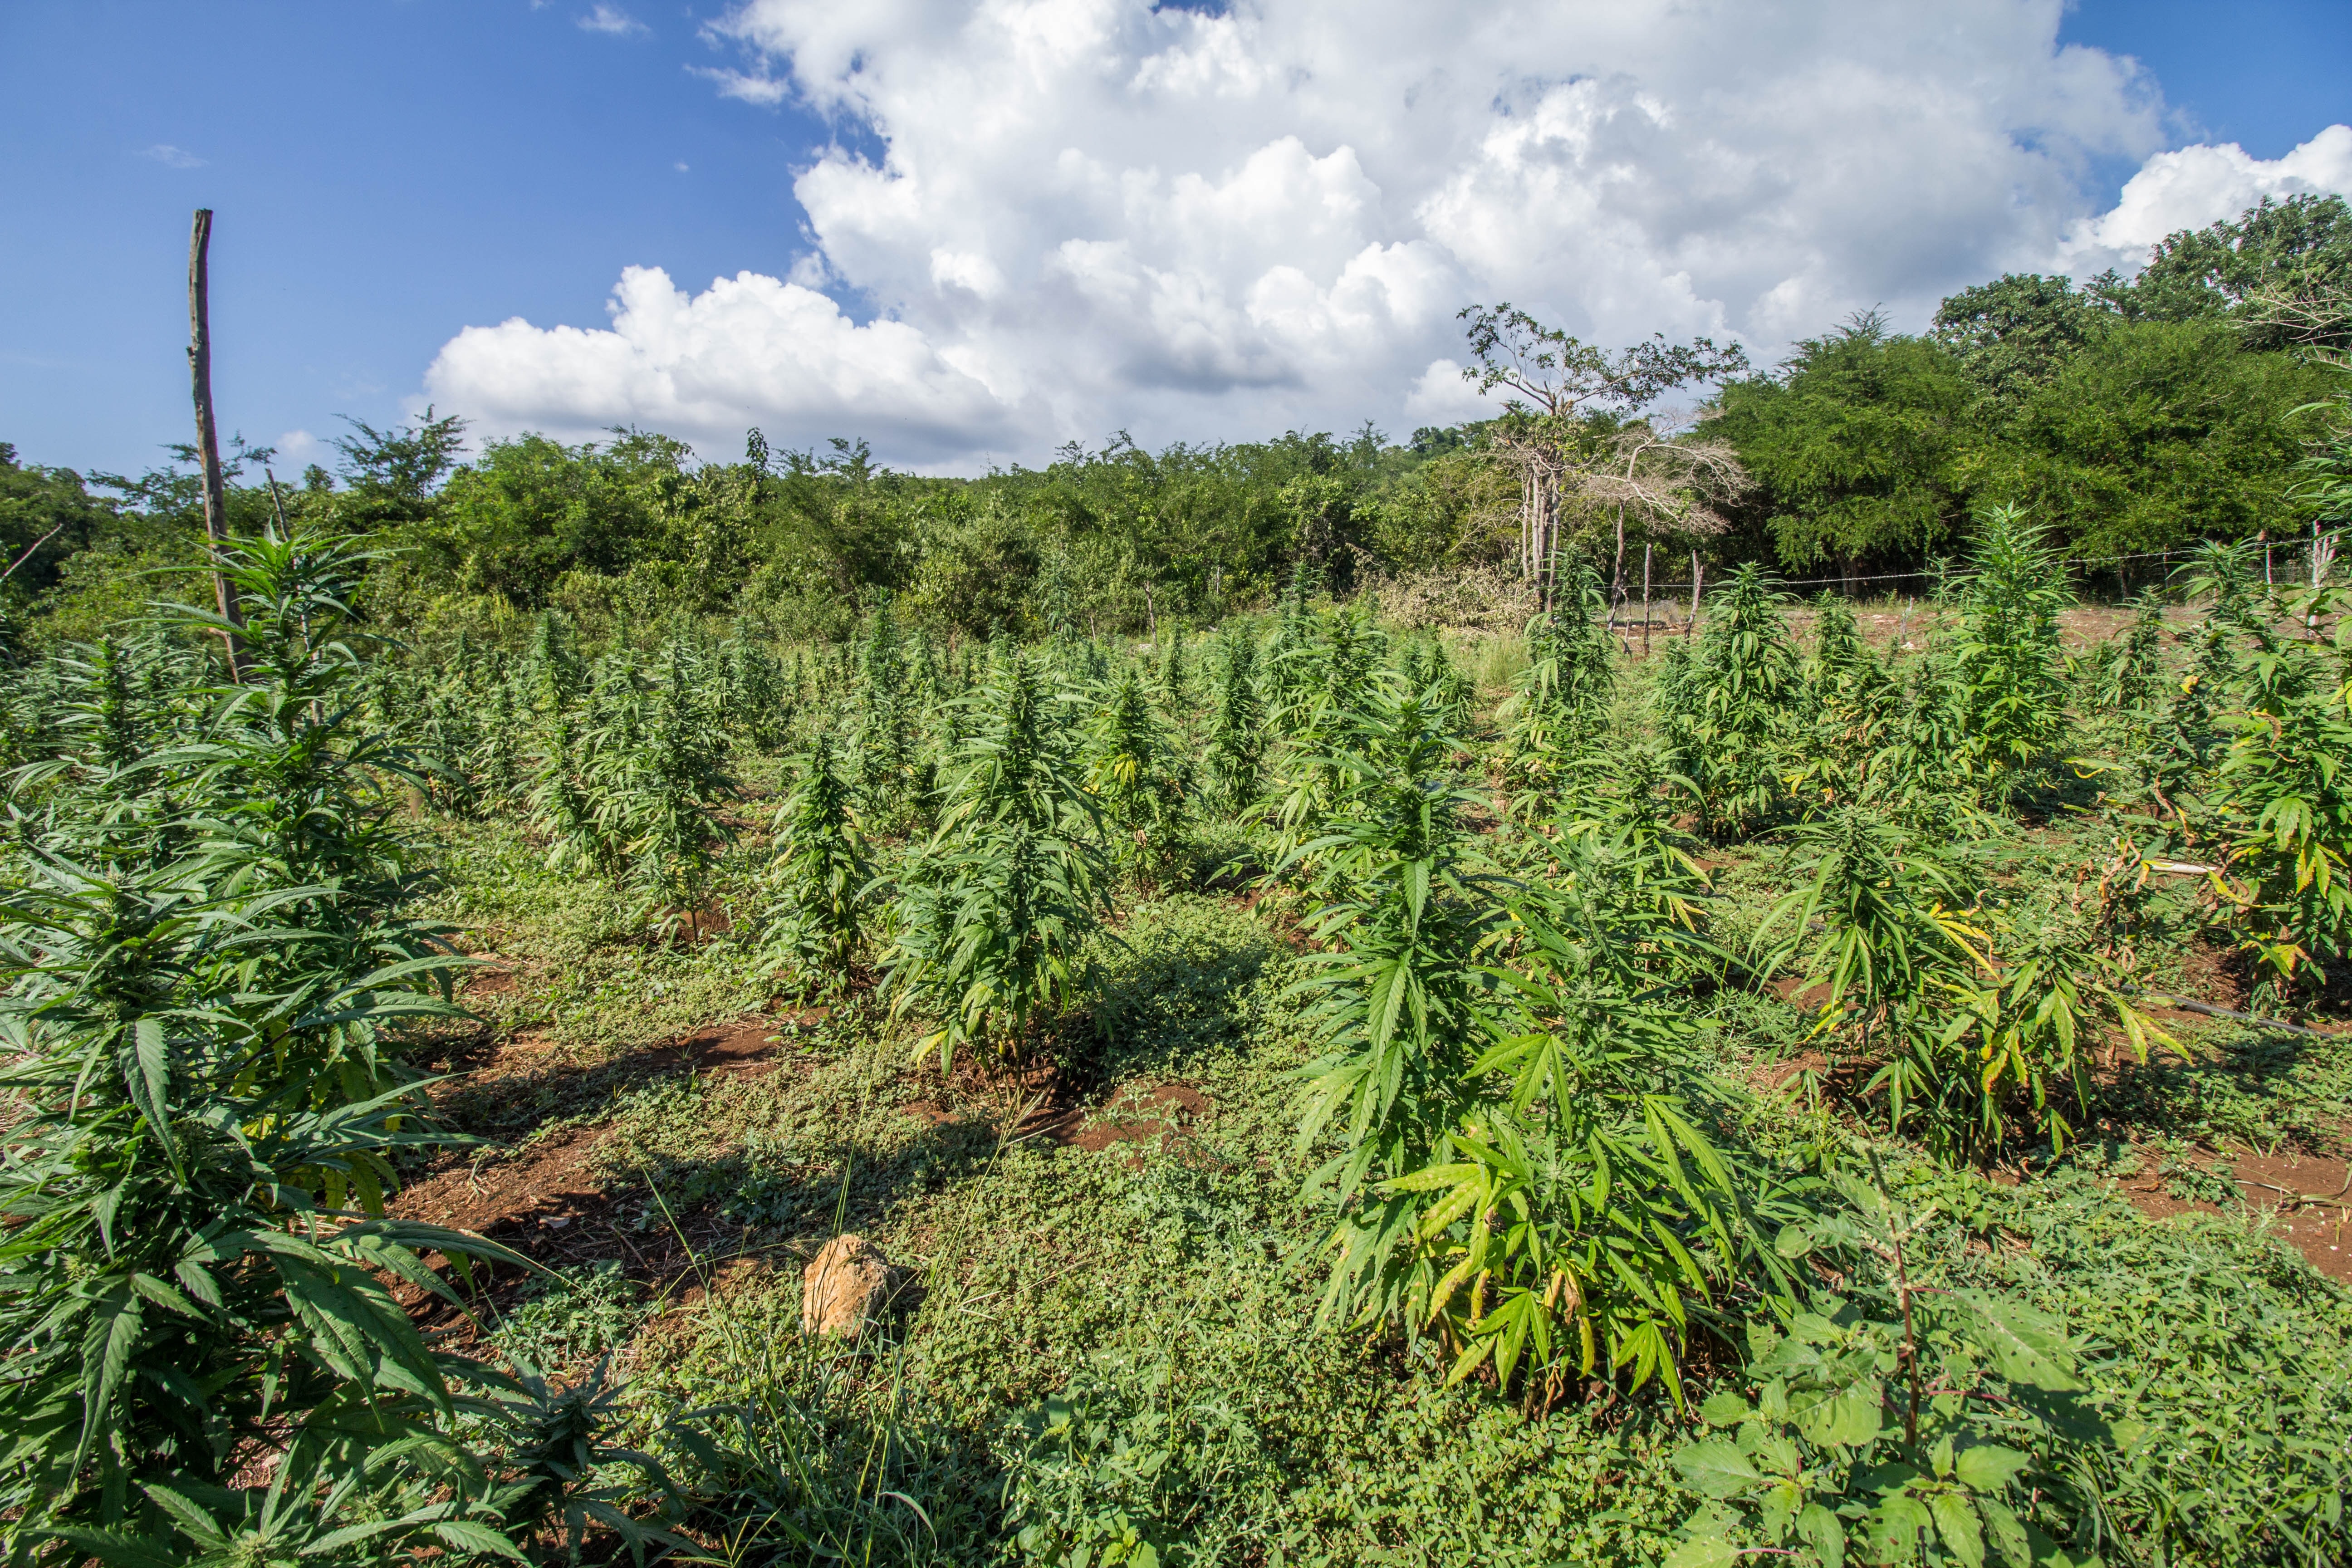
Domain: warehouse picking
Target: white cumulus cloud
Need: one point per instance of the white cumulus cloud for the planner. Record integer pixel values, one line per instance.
(1055, 218)
(748, 348)
(2197, 185)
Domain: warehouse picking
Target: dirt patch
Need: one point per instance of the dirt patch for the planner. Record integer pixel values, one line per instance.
(550, 1205)
(1158, 1114)
(488, 983)
(1780, 1075)
(489, 1071)
(2306, 1198)
(745, 1048)
(1281, 919)
(547, 1200)
(546, 1182)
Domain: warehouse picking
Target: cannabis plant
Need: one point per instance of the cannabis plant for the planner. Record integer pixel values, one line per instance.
(887, 716)
(2129, 672)
(1561, 704)
(2019, 1039)
(2283, 796)
(1139, 780)
(181, 1297)
(991, 916)
(1236, 733)
(2013, 691)
(672, 789)
(1509, 1173)
(1872, 929)
(822, 874)
(206, 1359)
(1730, 711)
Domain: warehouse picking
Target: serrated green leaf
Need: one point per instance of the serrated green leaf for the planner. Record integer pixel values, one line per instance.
(1724, 1408)
(1823, 1532)
(2007, 1534)
(2026, 1346)
(472, 1536)
(1716, 1469)
(118, 1548)
(1956, 1522)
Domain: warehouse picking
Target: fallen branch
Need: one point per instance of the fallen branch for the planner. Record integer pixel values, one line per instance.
(2320, 1199)
(2189, 1004)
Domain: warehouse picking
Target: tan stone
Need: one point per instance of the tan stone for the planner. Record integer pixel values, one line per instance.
(844, 1286)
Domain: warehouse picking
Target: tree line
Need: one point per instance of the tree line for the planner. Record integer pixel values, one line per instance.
(2193, 402)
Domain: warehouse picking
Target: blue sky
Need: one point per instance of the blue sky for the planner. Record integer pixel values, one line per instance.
(387, 172)
(383, 171)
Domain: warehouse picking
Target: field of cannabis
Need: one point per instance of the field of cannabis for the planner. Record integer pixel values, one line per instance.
(1852, 1081)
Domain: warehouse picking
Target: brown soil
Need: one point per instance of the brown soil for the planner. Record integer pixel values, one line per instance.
(548, 1201)
(1780, 1075)
(1158, 1114)
(548, 1187)
(2276, 1186)
(2210, 975)
(488, 982)
(739, 1044)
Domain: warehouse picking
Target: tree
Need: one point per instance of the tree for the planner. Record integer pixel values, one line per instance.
(2159, 434)
(1859, 443)
(46, 515)
(527, 510)
(2012, 335)
(1554, 381)
(391, 473)
(2301, 243)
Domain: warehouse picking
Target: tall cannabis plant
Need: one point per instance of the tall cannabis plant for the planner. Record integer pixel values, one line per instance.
(1509, 1173)
(991, 915)
(1139, 780)
(822, 874)
(2013, 688)
(1236, 723)
(1561, 704)
(206, 1360)
(1731, 710)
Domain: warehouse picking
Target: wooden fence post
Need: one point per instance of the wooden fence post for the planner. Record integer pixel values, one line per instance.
(200, 375)
(1645, 601)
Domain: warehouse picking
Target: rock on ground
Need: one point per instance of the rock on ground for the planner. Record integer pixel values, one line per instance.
(844, 1286)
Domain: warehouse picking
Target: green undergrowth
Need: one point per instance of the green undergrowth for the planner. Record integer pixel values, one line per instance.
(586, 974)
(1105, 1357)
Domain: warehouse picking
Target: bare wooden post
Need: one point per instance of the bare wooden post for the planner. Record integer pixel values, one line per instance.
(1617, 570)
(2265, 537)
(1698, 579)
(1645, 601)
(200, 375)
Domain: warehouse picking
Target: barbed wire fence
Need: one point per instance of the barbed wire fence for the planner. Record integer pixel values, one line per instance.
(2285, 563)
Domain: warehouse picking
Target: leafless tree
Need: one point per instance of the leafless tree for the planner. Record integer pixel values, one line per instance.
(1556, 385)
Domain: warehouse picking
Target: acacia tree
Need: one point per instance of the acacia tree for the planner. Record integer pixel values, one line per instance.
(1555, 384)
